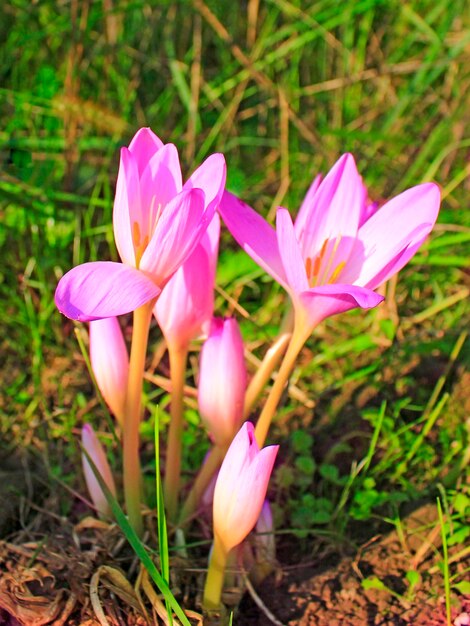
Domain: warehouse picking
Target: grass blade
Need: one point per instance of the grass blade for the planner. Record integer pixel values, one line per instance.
(138, 546)
(161, 517)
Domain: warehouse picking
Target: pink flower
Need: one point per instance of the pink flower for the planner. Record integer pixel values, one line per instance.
(110, 363)
(222, 380)
(94, 449)
(157, 221)
(341, 247)
(184, 308)
(241, 487)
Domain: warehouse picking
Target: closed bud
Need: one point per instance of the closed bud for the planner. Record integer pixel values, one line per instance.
(241, 487)
(110, 363)
(94, 449)
(222, 380)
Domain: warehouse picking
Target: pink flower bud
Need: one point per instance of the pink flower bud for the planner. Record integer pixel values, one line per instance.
(185, 306)
(222, 380)
(94, 449)
(241, 487)
(110, 363)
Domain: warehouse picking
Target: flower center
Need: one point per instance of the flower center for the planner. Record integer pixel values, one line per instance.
(140, 243)
(318, 268)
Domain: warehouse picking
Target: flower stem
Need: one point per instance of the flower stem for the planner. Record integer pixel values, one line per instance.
(178, 357)
(264, 371)
(133, 410)
(211, 465)
(215, 577)
(299, 336)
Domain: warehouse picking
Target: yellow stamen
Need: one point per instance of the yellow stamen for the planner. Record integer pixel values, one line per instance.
(337, 271)
(308, 267)
(323, 249)
(139, 246)
(136, 234)
(313, 269)
(331, 257)
(316, 266)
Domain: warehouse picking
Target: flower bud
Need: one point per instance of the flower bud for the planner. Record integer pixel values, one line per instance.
(222, 380)
(94, 449)
(241, 487)
(110, 363)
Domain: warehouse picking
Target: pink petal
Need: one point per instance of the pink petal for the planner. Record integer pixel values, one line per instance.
(184, 308)
(241, 487)
(289, 250)
(249, 501)
(110, 362)
(187, 300)
(335, 210)
(92, 446)
(370, 208)
(304, 211)
(177, 233)
(238, 455)
(127, 206)
(143, 146)
(210, 177)
(392, 235)
(160, 182)
(210, 241)
(103, 289)
(326, 300)
(222, 380)
(254, 235)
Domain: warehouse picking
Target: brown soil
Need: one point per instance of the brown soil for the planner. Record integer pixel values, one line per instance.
(71, 575)
(324, 595)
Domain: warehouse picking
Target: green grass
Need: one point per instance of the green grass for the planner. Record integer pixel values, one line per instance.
(282, 91)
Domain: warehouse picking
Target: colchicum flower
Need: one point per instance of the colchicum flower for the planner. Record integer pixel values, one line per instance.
(94, 449)
(222, 380)
(241, 487)
(341, 247)
(110, 363)
(157, 222)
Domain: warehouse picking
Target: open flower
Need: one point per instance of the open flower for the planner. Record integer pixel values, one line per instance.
(222, 380)
(341, 247)
(157, 221)
(110, 363)
(184, 308)
(241, 487)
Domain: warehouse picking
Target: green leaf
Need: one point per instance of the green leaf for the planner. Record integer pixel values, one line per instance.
(463, 587)
(161, 517)
(413, 577)
(305, 464)
(373, 583)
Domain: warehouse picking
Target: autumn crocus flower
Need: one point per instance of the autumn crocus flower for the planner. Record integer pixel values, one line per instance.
(339, 250)
(93, 448)
(241, 487)
(157, 222)
(110, 363)
(222, 380)
(239, 495)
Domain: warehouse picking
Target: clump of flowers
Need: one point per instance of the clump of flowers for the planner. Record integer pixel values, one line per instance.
(330, 259)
